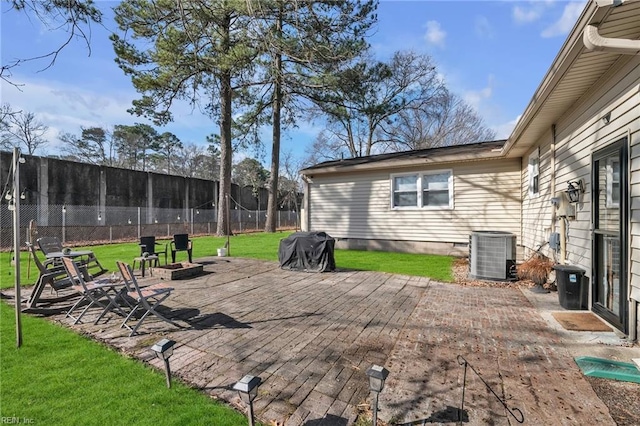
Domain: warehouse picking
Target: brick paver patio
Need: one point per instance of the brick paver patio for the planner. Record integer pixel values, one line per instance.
(311, 337)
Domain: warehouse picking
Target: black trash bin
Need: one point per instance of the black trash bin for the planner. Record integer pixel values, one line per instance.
(571, 287)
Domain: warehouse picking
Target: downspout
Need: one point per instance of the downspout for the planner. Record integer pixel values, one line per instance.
(552, 154)
(594, 41)
(305, 221)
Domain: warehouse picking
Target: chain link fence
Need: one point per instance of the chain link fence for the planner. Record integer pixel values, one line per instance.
(87, 225)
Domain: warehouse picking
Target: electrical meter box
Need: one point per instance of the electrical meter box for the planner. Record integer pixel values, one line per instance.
(564, 208)
(554, 241)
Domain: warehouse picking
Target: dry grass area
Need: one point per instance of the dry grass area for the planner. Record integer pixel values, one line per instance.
(461, 276)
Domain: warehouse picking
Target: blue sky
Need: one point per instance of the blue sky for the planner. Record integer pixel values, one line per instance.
(493, 54)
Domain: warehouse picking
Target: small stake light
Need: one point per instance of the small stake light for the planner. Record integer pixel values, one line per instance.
(164, 350)
(247, 387)
(377, 376)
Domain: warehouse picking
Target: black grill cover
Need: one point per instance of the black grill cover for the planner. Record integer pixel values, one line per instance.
(307, 251)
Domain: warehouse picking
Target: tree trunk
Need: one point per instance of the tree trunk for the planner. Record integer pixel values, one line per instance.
(224, 227)
(272, 204)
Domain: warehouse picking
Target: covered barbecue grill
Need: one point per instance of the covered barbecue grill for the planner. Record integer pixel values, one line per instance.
(307, 251)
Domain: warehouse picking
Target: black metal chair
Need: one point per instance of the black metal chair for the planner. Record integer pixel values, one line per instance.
(181, 242)
(149, 245)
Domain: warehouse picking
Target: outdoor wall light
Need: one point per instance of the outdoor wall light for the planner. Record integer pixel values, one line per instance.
(247, 387)
(129, 221)
(164, 350)
(377, 376)
(99, 217)
(23, 195)
(575, 188)
(64, 208)
(606, 119)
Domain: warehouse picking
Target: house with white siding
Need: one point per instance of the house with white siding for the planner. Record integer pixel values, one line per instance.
(566, 182)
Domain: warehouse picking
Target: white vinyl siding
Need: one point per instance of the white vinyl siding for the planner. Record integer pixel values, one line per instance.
(356, 205)
(536, 209)
(578, 134)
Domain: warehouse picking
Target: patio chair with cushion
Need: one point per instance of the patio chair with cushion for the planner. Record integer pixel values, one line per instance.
(149, 245)
(49, 245)
(146, 298)
(96, 292)
(181, 242)
(53, 275)
(52, 248)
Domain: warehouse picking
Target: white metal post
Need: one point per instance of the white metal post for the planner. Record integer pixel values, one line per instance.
(64, 224)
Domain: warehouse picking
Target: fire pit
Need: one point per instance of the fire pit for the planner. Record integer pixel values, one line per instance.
(177, 271)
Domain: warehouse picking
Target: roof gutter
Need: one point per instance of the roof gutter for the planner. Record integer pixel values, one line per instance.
(594, 41)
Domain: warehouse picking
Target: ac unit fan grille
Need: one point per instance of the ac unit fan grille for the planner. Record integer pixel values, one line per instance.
(492, 255)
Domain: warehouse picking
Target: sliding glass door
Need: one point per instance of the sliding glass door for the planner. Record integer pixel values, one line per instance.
(610, 194)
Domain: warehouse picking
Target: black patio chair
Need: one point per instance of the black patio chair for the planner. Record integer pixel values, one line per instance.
(149, 245)
(181, 242)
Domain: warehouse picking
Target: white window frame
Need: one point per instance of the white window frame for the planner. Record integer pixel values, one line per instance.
(534, 173)
(610, 203)
(393, 191)
(419, 190)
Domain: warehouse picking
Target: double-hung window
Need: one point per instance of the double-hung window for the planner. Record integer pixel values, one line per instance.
(423, 190)
(405, 191)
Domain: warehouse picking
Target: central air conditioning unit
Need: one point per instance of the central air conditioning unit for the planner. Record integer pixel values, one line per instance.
(492, 255)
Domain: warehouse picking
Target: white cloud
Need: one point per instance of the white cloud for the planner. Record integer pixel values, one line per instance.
(66, 108)
(503, 130)
(522, 15)
(483, 27)
(435, 35)
(530, 12)
(568, 19)
(476, 97)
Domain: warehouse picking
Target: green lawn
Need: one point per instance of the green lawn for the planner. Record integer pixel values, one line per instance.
(257, 246)
(59, 377)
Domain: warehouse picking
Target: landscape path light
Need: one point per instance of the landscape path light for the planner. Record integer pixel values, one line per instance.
(377, 376)
(164, 350)
(247, 387)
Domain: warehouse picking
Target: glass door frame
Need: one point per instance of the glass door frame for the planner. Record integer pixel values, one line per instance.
(620, 147)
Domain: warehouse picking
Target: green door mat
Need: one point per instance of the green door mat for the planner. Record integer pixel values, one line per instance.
(598, 367)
